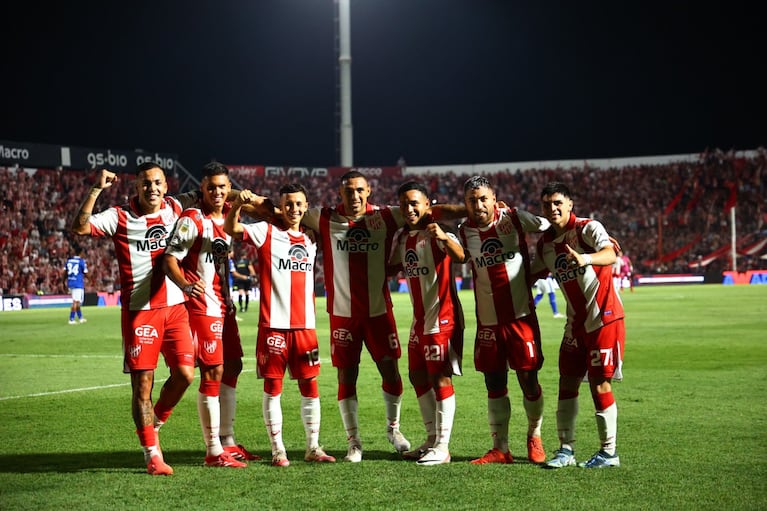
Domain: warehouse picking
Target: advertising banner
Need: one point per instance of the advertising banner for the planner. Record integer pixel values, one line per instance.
(29, 155)
(12, 303)
(114, 160)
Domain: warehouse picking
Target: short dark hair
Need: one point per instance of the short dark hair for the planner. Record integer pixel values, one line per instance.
(352, 174)
(475, 182)
(214, 168)
(556, 187)
(412, 185)
(293, 188)
(148, 165)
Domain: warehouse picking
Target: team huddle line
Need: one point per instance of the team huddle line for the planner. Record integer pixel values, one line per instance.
(174, 260)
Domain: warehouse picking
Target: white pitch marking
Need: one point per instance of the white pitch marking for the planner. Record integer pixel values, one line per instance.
(84, 389)
(53, 393)
(33, 355)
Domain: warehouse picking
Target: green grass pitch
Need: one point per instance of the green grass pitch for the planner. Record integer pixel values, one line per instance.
(692, 424)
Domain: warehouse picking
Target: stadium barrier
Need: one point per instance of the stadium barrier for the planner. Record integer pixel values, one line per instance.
(745, 277)
(47, 301)
(670, 278)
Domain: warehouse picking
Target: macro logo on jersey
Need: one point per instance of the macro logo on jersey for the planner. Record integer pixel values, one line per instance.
(219, 252)
(491, 253)
(156, 239)
(297, 260)
(563, 272)
(411, 265)
(357, 240)
(145, 334)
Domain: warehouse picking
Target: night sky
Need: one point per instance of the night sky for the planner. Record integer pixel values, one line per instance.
(434, 81)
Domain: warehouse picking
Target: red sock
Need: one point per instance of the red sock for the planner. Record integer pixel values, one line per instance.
(346, 391)
(395, 389)
(444, 392)
(147, 436)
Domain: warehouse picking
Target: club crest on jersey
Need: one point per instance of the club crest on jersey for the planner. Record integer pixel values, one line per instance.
(411, 267)
(210, 346)
(357, 240)
(375, 222)
(134, 351)
(491, 253)
(297, 260)
(156, 239)
(505, 226)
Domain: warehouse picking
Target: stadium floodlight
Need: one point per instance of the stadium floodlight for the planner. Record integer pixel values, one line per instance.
(345, 79)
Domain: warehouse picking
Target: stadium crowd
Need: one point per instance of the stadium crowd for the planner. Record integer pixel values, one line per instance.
(664, 215)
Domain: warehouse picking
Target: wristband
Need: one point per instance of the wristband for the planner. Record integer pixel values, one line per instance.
(586, 259)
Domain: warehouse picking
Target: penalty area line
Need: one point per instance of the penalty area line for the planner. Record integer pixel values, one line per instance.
(37, 355)
(84, 389)
(66, 391)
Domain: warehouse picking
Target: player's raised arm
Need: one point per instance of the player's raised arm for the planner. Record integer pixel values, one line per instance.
(249, 201)
(80, 223)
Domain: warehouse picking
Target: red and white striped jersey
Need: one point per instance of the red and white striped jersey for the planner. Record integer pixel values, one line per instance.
(355, 254)
(500, 264)
(427, 268)
(139, 242)
(592, 300)
(202, 246)
(286, 273)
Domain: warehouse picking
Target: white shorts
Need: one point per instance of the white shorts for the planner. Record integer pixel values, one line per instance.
(78, 294)
(546, 286)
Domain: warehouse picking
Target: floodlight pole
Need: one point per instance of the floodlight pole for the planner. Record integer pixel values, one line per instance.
(345, 78)
(733, 240)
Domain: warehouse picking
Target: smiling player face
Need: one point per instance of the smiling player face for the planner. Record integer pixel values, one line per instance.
(414, 206)
(215, 190)
(354, 194)
(293, 206)
(556, 209)
(151, 188)
(480, 205)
